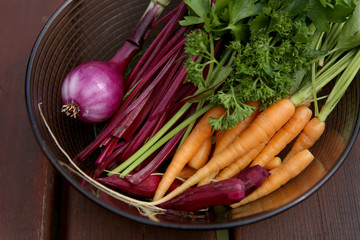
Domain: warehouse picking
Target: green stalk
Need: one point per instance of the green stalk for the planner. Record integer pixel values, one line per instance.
(306, 92)
(333, 40)
(313, 84)
(317, 46)
(164, 139)
(340, 87)
(153, 140)
(207, 80)
(330, 62)
(191, 125)
(211, 66)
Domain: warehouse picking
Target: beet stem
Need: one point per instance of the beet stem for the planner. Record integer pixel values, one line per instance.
(133, 44)
(154, 49)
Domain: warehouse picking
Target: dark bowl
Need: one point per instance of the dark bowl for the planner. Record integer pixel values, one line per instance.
(82, 31)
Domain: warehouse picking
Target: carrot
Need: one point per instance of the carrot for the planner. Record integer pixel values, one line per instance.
(188, 149)
(186, 172)
(241, 163)
(280, 176)
(274, 163)
(310, 134)
(219, 135)
(227, 136)
(230, 134)
(284, 136)
(202, 155)
(208, 179)
(263, 127)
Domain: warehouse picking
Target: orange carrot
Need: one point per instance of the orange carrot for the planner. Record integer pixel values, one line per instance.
(310, 134)
(280, 176)
(307, 104)
(240, 164)
(188, 149)
(284, 136)
(202, 155)
(230, 134)
(219, 135)
(208, 179)
(263, 127)
(186, 172)
(274, 163)
(227, 136)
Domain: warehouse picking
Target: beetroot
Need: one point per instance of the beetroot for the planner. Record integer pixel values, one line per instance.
(223, 192)
(253, 177)
(146, 188)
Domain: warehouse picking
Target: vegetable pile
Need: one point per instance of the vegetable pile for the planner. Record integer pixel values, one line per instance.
(215, 99)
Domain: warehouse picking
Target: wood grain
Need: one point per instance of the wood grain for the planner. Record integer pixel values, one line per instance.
(27, 181)
(36, 203)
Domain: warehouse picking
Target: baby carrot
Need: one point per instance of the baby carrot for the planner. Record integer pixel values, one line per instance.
(230, 134)
(284, 136)
(310, 134)
(280, 176)
(240, 164)
(274, 163)
(186, 172)
(202, 155)
(219, 134)
(188, 149)
(208, 179)
(263, 127)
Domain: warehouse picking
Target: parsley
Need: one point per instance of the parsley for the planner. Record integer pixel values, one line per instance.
(268, 43)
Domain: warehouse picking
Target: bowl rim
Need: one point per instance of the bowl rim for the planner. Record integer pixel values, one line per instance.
(205, 226)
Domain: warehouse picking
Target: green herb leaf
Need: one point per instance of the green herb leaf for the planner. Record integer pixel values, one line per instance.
(190, 20)
(241, 9)
(200, 7)
(350, 35)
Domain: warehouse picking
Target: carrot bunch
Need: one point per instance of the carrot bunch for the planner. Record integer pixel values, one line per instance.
(263, 136)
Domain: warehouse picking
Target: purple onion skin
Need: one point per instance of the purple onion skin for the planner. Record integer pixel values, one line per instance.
(223, 192)
(253, 177)
(97, 89)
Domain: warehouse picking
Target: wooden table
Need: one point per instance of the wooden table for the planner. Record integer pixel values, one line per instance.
(36, 203)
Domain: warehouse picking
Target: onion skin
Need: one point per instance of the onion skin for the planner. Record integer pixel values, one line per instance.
(96, 89)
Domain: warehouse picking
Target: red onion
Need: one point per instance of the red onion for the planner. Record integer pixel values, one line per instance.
(92, 92)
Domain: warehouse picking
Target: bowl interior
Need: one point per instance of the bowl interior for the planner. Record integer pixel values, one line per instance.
(82, 31)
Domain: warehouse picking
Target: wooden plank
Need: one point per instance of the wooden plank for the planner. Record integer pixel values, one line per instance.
(84, 219)
(27, 179)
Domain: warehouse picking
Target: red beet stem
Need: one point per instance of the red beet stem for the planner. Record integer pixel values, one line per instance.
(152, 87)
(133, 44)
(107, 151)
(168, 148)
(165, 17)
(157, 160)
(150, 56)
